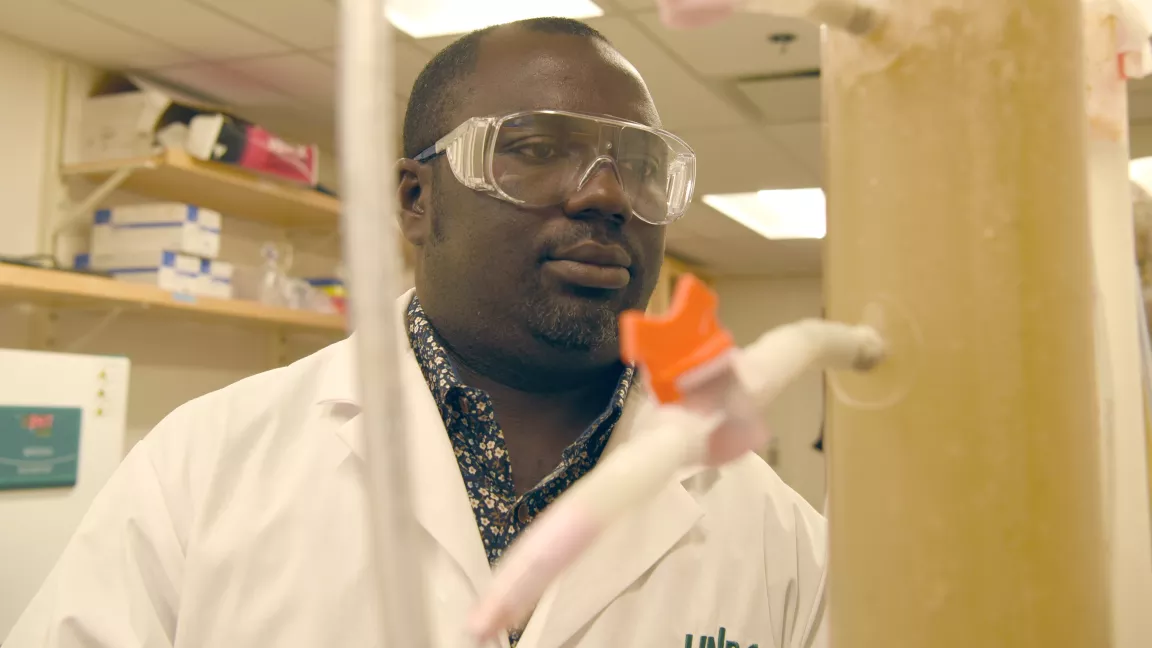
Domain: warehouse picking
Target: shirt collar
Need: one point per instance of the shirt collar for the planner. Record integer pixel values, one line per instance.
(430, 353)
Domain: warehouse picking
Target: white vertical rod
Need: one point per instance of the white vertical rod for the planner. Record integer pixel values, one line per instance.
(367, 127)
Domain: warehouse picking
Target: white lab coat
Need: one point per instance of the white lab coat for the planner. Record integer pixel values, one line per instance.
(238, 522)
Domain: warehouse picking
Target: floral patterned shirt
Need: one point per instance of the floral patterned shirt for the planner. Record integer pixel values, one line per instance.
(479, 443)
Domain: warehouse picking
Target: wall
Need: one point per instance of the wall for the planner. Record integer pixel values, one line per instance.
(751, 306)
(24, 89)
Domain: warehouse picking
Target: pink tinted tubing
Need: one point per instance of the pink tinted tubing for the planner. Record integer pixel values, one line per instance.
(548, 549)
(668, 439)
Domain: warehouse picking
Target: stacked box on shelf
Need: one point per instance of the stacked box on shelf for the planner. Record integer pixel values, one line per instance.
(171, 271)
(170, 245)
(215, 279)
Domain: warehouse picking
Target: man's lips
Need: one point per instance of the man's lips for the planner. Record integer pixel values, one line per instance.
(591, 265)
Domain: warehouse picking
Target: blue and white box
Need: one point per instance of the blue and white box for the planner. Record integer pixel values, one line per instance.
(171, 271)
(215, 279)
(156, 227)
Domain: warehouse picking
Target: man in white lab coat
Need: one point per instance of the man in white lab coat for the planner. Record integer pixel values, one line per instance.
(238, 522)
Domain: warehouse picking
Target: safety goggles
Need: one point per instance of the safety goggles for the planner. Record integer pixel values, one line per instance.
(539, 158)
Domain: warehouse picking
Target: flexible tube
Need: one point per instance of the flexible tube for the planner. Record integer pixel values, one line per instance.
(371, 252)
(778, 357)
(667, 439)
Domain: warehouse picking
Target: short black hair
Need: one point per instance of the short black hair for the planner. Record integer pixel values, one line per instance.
(434, 92)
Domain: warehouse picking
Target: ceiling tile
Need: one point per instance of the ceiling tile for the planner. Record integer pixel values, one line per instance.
(693, 224)
(186, 26)
(409, 60)
(58, 28)
(297, 75)
(753, 256)
(225, 84)
(800, 258)
(745, 159)
(683, 101)
(700, 252)
(725, 247)
(734, 48)
(612, 7)
(785, 101)
(307, 24)
(720, 228)
(434, 45)
(804, 141)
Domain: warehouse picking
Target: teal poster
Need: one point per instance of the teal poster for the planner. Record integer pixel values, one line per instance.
(39, 446)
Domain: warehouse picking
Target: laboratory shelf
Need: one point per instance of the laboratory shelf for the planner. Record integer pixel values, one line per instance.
(58, 289)
(174, 175)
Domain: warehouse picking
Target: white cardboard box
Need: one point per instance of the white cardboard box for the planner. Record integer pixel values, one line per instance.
(215, 279)
(121, 119)
(170, 271)
(155, 227)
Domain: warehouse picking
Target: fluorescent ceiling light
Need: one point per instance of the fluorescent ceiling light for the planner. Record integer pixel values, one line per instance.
(777, 214)
(428, 18)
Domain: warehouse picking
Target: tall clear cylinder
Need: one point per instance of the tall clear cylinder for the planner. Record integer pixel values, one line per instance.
(965, 494)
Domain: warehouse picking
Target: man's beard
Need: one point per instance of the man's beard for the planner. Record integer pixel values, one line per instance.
(578, 323)
(572, 324)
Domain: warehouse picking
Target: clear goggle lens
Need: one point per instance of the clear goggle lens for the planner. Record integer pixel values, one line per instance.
(540, 158)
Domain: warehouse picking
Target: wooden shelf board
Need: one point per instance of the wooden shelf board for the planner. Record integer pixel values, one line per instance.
(67, 289)
(173, 175)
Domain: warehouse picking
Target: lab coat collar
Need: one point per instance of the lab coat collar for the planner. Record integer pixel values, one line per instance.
(439, 497)
(338, 381)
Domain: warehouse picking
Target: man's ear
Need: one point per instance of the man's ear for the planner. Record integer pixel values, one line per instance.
(414, 191)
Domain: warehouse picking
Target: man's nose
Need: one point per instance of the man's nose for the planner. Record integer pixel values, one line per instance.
(601, 193)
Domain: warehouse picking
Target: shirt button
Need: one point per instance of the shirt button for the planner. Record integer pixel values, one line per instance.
(522, 514)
